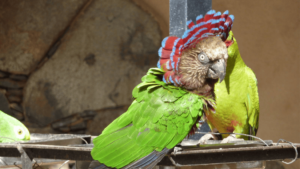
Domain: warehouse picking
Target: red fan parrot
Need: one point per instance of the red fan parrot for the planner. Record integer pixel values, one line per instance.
(171, 98)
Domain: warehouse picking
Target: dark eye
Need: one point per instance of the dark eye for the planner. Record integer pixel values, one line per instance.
(20, 132)
(203, 57)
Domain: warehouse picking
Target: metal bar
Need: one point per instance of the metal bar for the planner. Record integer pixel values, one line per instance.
(185, 157)
(215, 156)
(26, 161)
(47, 151)
(8, 162)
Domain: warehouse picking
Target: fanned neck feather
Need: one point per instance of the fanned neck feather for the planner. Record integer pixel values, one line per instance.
(212, 24)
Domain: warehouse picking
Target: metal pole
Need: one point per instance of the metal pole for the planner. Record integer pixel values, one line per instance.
(184, 10)
(180, 12)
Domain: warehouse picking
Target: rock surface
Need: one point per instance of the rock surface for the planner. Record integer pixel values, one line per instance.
(4, 105)
(98, 64)
(8, 83)
(28, 29)
(103, 119)
(3, 74)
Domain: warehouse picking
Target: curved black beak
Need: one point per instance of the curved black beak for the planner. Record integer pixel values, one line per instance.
(217, 70)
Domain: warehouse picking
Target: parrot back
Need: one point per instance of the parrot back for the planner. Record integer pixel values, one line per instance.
(159, 118)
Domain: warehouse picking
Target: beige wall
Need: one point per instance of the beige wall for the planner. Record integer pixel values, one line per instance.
(268, 34)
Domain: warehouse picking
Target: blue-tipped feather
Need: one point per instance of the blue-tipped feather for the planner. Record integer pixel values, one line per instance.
(232, 17)
(177, 64)
(173, 65)
(174, 47)
(164, 79)
(160, 52)
(215, 29)
(226, 12)
(186, 33)
(188, 22)
(217, 14)
(194, 36)
(210, 12)
(180, 47)
(214, 21)
(158, 64)
(167, 64)
(178, 82)
(171, 80)
(199, 17)
(163, 42)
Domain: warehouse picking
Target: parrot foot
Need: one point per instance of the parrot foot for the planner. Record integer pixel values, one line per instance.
(231, 138)
(177, 150)
(206, 137)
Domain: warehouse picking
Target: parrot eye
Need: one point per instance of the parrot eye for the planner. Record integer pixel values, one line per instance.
(202, 57)
(20, 132)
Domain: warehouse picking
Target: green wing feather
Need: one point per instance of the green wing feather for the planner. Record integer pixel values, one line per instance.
(252, 101)
(160, 117)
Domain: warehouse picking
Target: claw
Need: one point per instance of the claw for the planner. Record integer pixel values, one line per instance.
(177, 150)
(206, 137)
(231, 138)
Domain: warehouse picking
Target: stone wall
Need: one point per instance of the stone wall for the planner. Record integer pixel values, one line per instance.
(70, 66)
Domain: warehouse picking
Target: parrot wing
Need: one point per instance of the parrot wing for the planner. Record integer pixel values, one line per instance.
(158, 119)
(252, 102)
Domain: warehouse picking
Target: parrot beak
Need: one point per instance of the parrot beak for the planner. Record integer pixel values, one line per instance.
(27, 137)
(217, 70)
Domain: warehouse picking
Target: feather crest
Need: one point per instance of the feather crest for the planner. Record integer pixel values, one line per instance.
(212, 24)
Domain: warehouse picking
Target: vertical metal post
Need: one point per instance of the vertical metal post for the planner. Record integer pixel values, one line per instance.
(184, 10)
(180, 12)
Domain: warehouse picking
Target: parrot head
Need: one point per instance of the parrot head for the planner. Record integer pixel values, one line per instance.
(202, 66)
(198, 60)
(12, 128)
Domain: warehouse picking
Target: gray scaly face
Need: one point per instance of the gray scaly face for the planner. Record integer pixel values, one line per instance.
(201, 66)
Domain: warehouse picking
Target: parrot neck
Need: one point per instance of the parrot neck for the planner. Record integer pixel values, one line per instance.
(234, 63)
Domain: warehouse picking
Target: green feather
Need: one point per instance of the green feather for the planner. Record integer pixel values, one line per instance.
(162, 115)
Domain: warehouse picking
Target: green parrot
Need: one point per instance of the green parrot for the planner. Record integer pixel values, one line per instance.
(12, 128)
(171, 98)
(237, 109)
